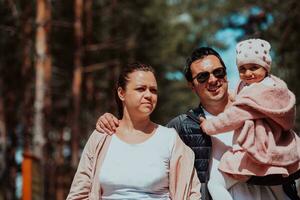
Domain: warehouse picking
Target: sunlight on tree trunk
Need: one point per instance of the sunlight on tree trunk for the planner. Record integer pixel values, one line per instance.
(77, 79)
(40, 84)
(43, 66)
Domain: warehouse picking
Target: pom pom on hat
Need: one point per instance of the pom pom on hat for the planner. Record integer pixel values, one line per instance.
(254, 51)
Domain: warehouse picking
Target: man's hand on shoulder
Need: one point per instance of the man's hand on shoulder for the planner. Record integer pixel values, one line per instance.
(107, 123)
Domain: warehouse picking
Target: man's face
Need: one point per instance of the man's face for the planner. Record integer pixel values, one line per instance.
(214, 89)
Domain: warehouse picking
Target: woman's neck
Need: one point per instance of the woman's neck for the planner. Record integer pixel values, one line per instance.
(131, 124)
(135, 130)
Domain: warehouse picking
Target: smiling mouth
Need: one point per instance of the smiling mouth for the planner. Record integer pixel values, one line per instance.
(213, 88)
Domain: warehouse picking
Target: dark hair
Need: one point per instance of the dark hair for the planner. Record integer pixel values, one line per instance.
(123, 80)
(197, 54)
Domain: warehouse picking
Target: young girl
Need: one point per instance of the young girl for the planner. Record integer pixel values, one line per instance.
(262, 117)
(142, 160)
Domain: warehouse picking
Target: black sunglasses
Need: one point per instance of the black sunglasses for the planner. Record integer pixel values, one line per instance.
(202, 77)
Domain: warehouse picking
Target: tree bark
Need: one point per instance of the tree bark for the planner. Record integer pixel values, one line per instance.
(42, 60)
(27, 75)
(27, 96)
(89, 78)
(60, 189)
(49, 164)
(77, 79)
(3, 138)
(42, 67)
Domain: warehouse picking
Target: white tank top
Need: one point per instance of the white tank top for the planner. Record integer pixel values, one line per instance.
(138, 171)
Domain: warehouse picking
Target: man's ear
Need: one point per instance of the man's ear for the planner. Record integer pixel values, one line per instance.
(191, 86)
(121, 93)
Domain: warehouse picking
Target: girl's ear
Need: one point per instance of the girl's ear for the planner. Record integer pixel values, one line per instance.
(121, 93)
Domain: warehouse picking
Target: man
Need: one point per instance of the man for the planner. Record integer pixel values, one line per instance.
(206, 75)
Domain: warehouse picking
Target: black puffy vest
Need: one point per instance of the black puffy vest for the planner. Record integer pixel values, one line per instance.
(187, 126)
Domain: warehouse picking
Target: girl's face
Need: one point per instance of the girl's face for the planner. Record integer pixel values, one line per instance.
(140, 94)
(252, 73)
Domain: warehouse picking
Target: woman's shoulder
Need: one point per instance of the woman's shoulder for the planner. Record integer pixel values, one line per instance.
(98, 135)
(171, 132)
(172, 138)
(168, 135)
(94, 142)
(96, 138)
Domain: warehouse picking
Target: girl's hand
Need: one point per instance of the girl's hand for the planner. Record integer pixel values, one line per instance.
(202, 123)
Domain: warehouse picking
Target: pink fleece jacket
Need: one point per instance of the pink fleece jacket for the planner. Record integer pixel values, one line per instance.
(183, 180)
(262, 117)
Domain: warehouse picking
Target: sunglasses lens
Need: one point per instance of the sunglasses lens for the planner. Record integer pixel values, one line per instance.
(202, 77)
(219, 73)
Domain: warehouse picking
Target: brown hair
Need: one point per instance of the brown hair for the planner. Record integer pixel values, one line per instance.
(197, 54)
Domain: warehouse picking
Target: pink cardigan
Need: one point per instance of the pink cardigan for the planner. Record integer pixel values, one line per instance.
(262, 117)
(183, 180)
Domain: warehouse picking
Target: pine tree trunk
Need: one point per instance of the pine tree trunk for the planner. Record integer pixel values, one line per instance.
(60, 190)
(40, 83)
(49, 164)
(27, 75)
(27, 96)
(42, 65)
(77, 79)
(89, 79)
(3, 139)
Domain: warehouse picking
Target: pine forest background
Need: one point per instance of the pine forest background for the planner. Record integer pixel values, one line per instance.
(59, 60)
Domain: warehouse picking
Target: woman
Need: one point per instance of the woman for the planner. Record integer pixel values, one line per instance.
(142, 160)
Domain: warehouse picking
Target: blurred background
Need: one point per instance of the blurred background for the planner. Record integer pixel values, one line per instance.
(59, 60)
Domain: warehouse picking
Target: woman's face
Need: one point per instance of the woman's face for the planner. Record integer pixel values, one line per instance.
(140, 94)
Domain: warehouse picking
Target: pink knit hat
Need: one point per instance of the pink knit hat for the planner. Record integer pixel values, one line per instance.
(254, 51)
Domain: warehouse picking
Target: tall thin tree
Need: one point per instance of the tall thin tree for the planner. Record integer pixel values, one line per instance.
(77, 79)
(42, 62)
(89, 78)
(3, 138)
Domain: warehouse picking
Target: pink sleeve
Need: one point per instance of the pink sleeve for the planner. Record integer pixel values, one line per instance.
(183, 180)
(82, 182)
(194, 192)
(231, 119)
